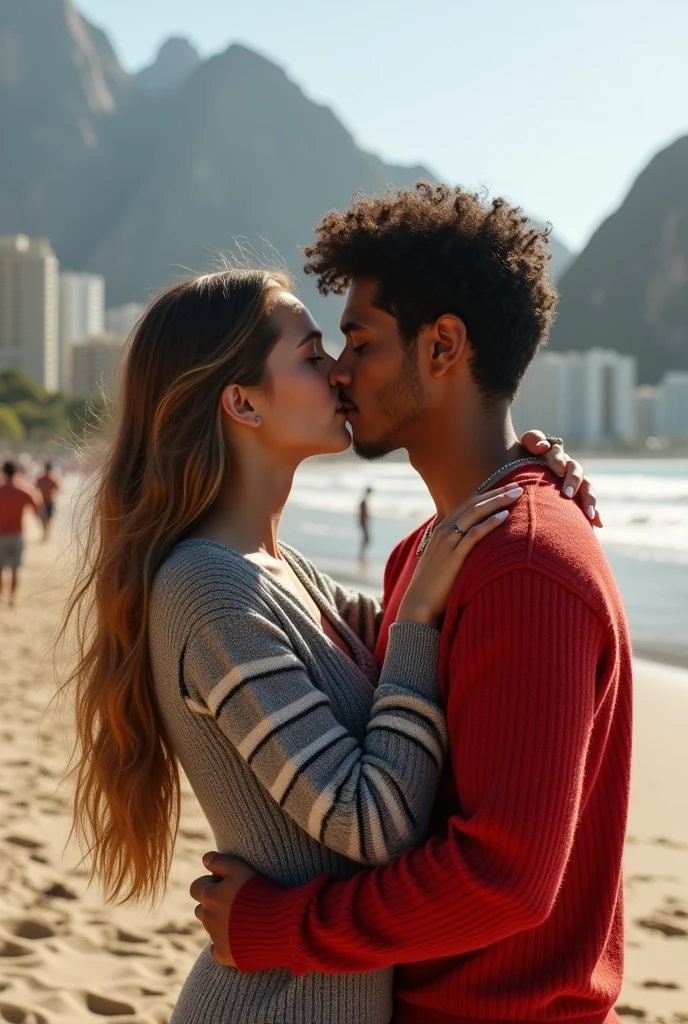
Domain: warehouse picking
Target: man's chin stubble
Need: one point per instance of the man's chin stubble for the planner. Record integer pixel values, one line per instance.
(370, 451)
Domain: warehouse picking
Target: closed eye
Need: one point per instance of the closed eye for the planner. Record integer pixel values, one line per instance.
(315, 359)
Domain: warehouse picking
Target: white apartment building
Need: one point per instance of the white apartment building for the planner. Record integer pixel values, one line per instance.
(96, 364)
(29, 309)
(122, 319)
(646, 411)
(671, 409)
(82, 315)
(584, 396)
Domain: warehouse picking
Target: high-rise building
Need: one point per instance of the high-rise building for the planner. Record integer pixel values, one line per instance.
(672, 405)
(82, 314)
(585, 396)
(29, 309)
(96, 364)
(646, 412)
(123, 319)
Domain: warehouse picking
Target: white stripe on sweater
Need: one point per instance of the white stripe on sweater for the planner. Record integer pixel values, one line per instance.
(200, 709)
(418, 730)
(239, 673)
(325, 800)
(285, 714)
(291, 768)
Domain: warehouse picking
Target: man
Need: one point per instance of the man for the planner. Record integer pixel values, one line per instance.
(48, 485)
(15, 497)
(512, 910)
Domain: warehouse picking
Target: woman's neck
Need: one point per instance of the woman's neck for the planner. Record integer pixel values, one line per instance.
(247, 511)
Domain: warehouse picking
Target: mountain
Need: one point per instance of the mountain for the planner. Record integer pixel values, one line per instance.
(60, 86)
(143, 178)
(175, 61)
(241, 154)
(628, 289)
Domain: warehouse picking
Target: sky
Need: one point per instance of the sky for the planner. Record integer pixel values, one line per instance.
(556, 104)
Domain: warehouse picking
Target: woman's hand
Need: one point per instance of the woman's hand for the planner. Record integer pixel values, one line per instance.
(575, 484)
(451, 542)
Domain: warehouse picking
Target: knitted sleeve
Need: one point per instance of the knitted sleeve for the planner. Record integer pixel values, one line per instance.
(365, 799)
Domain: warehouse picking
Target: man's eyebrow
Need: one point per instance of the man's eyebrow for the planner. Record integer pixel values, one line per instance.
(312, 336)
(349, 326)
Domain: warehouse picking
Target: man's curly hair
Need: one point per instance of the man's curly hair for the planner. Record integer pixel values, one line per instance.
(436, 250)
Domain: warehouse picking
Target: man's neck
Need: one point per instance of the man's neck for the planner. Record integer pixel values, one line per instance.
(455, 457)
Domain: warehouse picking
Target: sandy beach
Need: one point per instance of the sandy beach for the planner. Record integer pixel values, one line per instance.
(66, 959)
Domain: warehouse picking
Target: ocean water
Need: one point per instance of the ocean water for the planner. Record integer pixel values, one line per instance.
(644, 505)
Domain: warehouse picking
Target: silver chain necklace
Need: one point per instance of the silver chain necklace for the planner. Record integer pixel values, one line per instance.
(525, 461)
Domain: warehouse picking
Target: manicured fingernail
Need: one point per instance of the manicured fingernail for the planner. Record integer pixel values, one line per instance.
(569, 491)
(542, 444)
(515, 492)
(591, 511)
(503, 514)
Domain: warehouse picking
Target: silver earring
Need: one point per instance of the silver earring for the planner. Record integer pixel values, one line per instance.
(257, 419)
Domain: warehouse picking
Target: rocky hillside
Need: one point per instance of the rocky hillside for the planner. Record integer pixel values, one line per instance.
(629, 288)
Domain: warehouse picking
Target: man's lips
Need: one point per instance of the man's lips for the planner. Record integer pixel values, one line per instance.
(346, 407)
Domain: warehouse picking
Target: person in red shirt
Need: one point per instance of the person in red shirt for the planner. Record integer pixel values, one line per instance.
(49, 487)
(15, 497)
(512, 909)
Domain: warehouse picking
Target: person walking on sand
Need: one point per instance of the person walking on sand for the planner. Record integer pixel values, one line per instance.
(49, 487)
(15, 497)
(364, 524)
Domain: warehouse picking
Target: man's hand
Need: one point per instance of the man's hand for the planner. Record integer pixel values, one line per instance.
(575, 483)
(215, 895)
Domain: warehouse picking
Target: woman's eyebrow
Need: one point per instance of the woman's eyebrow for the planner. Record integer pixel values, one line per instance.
(312, 336)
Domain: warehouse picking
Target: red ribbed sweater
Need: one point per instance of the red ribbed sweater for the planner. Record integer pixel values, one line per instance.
(512, 910)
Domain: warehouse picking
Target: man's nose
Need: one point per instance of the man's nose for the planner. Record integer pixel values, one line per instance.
(340, 374)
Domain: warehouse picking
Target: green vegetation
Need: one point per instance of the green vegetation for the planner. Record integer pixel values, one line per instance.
(27, 412)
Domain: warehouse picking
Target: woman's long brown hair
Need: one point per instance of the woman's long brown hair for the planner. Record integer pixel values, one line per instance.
(161, 472)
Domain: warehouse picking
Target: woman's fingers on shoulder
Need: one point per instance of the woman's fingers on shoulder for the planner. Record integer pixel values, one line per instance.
(535, 442)
(481, 529)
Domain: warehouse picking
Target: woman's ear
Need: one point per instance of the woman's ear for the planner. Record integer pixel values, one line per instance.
(446, 340)
(235, 403)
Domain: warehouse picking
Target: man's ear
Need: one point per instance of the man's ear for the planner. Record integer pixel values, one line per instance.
(235, 404)
(446, 342)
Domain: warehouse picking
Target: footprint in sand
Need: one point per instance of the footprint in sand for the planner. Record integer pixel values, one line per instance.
(651, 983)
(672, 844)
(15, 1015)
(29, 929)
(105, 1007)
(60, 891)
(631, 1011)
(672, 931)
(12, 949)
(27, 844)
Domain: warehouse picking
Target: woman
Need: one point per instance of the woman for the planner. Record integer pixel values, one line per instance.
(211, 645)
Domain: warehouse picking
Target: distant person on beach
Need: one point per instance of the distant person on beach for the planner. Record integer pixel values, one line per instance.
(364, 524)
(512, 909)
(49, 487)
(15, 497)
(212, 646)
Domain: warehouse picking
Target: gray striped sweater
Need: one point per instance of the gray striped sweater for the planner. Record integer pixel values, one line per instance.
(302, 759)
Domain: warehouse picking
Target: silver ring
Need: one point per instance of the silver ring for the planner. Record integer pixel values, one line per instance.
(457, 529)
(554, 440)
